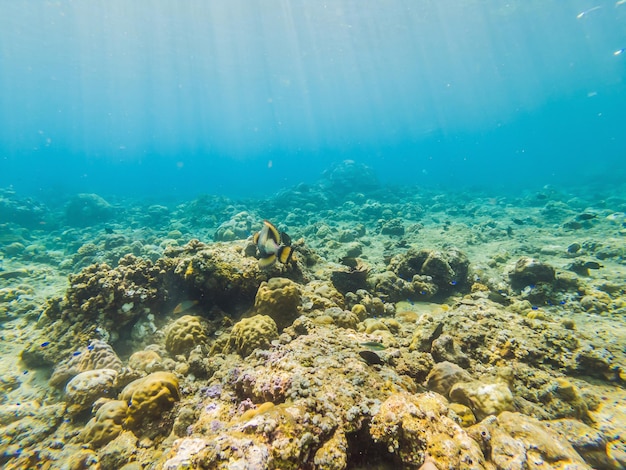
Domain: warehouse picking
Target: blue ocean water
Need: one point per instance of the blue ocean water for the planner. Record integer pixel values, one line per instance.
(244, 97)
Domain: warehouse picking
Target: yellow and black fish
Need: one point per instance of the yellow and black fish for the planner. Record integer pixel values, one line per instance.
(272, 245)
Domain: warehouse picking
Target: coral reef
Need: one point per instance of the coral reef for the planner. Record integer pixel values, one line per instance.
(149, 397)
(416, 426)
(239, 227)
(278, 298)
(85, 209)
(106, 425)
(97, 356)
(185, 333)
(252, 333)
(85, 388)
(379, 347)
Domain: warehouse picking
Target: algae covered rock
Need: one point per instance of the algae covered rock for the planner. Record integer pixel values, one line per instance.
(221, 274)
(149, 397)
(87, 209)
(146, 361)
(185, 333)
(448, 269)
(278, 298)
(85, 388)
(515, 441)
(415, 426)
(239, 227)
(252, 333)
(483, 399)
(114, 297)
(529, 271)
(444, 375)
(106, 425)
(98, 355)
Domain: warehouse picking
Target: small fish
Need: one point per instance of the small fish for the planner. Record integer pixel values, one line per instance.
(370, 357)
(586, 12)
(619, 51)
(586, 216)
(272, 245)
(373, 345)
(518, 221)
(620, 2)
(184, 306)
(592, 265)
(45, 343)
(108, 230)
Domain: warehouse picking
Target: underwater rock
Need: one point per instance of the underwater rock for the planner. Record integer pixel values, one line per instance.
(529, 271)
(333, 453)
(185, 333)
(394, 289)
(349, 176)
(590, 443)
(448, 270)
(446, 348)
(393, 227)
(278, 298)
(146, 361)
(120, 453)
(106, 425)
(26, 212)
(220, 274)
(85, 388)
(114, 297)
(444, 375)
(98, 355)
(514, 441)
(87, 209)
(318, 296)
(350, 279)
(482, 398)
(414, 426)
(252, 333)
(339, 317)
(239, 227)
(149, 397)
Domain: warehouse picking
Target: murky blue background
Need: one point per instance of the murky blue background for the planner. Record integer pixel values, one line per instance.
(242, 97)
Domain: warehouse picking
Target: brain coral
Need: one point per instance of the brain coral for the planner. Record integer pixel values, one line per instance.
(106, 425)
(278, 298)
(185, 333)
(149, 396)
(252, 333)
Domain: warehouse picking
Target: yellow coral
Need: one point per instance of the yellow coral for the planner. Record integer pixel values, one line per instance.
(252, 333)
(278, 298)
(146, 361)
(150, 396)
(106, 425)
(185, 334)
